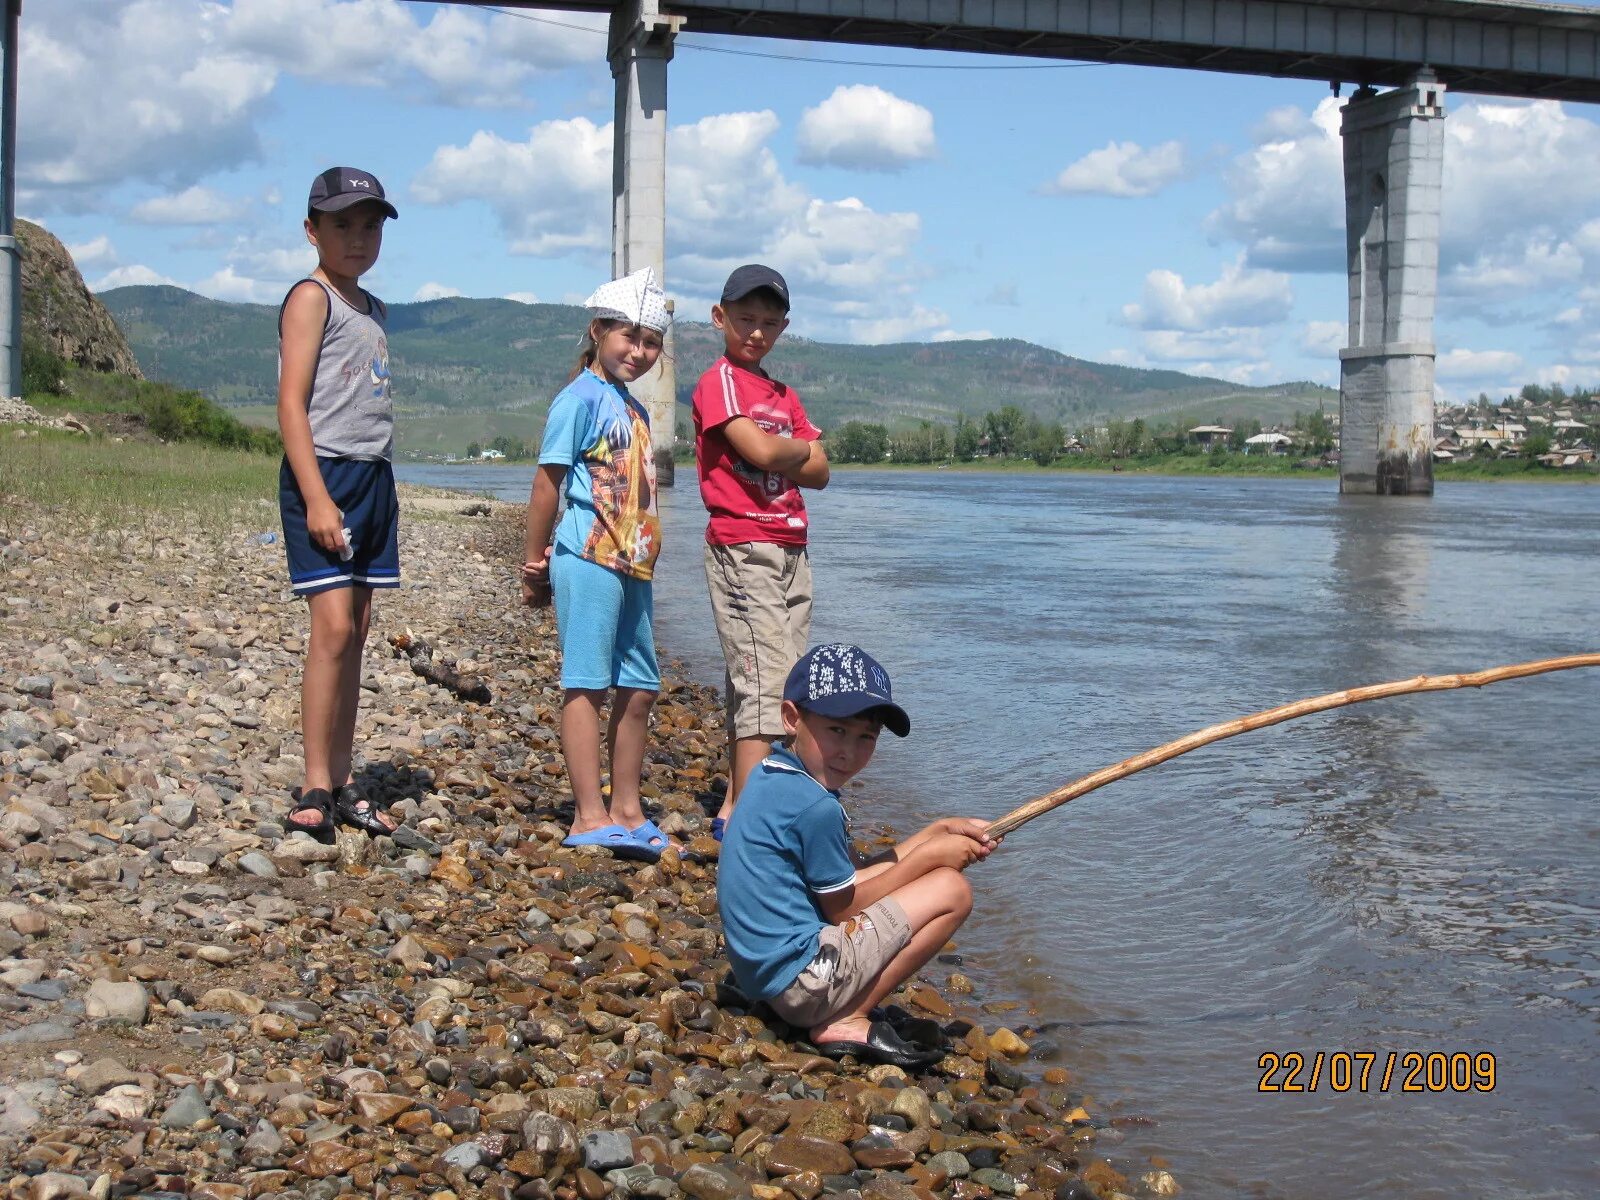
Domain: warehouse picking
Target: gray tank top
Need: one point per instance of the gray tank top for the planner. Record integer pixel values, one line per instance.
(350, 412)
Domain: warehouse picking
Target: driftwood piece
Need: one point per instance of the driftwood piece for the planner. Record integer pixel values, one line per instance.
(420, 655)
(1274, 716)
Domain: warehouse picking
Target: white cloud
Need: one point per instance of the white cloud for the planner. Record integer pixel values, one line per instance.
(1210, 345)
(1288, 193)
(1123, 169)
(1476, 364)
(94, 254)
(866, 128)
(145, 90)
(1517, 217)
(131, 276)
(1536, 264)
(728, 203)
(435, 291)
(228, 284)
(964, 335)
(1323, 338)
(460, 57)
(551, 193)
(522, 297)
(192, 206)
(915, 326)
(279, 264)
(1240, 297)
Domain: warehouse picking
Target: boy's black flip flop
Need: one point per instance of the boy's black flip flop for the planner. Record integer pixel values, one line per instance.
(319, 801)
(883, 1045)
(353, 808)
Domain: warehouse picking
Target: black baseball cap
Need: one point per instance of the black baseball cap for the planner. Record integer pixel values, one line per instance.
(751, 278)
(337, 188)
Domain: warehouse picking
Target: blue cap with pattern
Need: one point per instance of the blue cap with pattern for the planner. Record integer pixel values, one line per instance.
(845, 681)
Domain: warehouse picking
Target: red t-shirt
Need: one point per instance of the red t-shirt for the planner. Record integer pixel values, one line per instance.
(747, 504)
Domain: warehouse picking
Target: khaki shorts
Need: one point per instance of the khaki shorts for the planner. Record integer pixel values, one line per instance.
(761, 602)
(851, 958)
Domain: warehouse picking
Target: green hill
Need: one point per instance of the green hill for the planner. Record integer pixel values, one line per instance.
(454, 357)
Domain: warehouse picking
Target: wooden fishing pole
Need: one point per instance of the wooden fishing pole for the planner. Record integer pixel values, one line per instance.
(1274, 716)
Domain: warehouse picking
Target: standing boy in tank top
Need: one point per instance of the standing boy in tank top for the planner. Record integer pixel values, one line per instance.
(336, 486)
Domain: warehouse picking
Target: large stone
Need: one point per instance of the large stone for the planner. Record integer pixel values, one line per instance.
(107, 1001)
(569, 1103)
(791, 1154)
(100, 1076)
(190, 1108)
(706, 1182)
(231, 1000)
(125, 1101)
(606, 1150)
(297, 847)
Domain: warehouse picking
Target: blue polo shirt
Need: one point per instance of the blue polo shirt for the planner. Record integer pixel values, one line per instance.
(787, 844)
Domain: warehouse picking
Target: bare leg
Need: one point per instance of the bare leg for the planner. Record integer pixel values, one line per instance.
(745, 756)
(935, 905)
(580, 746)
(628, 734)
(344, 730)
(322, 686)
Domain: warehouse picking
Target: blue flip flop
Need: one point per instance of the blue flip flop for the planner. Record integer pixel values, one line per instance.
(648, 840)
(612, 837)
(719, 826)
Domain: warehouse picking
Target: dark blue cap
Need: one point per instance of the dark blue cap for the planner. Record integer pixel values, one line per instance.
(339, 188)
(845, 681)
(752, 278)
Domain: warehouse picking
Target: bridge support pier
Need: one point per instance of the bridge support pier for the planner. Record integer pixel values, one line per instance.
(1393, 164)
(640, 47)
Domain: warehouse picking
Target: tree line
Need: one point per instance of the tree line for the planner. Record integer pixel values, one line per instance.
(1010, 433)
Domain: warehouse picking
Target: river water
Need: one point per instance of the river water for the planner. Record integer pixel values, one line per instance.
(1415, 874)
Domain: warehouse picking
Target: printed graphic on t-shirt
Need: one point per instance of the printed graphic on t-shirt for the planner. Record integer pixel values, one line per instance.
(626, 535)
(771, 483)
(746, 503)
(380, 371)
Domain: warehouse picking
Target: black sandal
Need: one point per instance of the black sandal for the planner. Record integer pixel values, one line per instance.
(319, 801)
(353, 808)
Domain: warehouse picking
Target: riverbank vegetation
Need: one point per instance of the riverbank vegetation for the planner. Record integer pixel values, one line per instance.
(138, 408)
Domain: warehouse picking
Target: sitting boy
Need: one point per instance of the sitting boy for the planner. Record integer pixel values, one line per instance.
(818, 937)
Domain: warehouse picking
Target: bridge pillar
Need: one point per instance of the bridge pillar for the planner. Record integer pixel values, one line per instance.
(640, 47)
(1393, 162)
(10, 252)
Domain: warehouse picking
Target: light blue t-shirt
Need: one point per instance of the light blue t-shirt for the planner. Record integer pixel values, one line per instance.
(787, 844)
(601, 434)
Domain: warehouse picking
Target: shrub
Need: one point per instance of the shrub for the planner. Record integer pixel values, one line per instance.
(43, 370)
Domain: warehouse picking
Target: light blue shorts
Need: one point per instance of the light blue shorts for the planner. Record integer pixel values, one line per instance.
(605, 619)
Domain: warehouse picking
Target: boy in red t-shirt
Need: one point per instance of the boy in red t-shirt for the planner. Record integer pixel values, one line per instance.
(755, 448)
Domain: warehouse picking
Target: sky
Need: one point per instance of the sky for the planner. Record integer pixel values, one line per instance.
(1143, 216)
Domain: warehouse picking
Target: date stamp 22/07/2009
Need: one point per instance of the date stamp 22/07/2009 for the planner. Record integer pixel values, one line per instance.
(1376, 1071)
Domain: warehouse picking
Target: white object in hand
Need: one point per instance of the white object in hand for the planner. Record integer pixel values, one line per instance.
(348, 550)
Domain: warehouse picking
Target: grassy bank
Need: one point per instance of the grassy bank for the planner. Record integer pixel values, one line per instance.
(133, 485)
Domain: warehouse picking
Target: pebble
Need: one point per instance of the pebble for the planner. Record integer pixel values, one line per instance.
(110, 1001)
(463, 1009)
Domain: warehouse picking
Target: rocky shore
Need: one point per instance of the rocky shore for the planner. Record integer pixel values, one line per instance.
(192, 1004)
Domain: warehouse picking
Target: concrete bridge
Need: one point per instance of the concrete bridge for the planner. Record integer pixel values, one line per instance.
(1401, 56)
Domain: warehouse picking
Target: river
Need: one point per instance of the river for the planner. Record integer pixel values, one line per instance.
(1416, 874)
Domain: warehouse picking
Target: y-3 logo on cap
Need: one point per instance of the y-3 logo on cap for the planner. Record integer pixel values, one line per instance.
(360, 183)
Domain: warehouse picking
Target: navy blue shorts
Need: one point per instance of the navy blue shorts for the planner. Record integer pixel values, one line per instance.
(364, 491)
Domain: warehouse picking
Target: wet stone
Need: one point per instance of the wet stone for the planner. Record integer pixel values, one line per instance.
(606, 1150)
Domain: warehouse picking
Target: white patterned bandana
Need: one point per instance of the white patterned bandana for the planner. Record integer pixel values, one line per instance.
(636, 299)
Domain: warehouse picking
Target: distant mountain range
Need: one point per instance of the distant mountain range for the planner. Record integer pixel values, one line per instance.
(458, 356)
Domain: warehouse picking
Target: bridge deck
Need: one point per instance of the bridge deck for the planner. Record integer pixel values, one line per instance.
(1546, 51)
